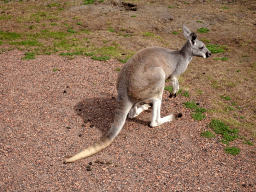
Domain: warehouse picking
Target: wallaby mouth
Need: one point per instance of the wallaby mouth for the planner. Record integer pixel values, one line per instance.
(208, 54)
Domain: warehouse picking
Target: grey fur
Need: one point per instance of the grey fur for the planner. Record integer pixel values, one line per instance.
(143, 77)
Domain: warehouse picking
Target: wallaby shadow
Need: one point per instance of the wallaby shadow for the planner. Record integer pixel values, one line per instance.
(99, 112)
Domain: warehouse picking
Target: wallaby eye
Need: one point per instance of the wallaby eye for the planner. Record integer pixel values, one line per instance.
(201, 47)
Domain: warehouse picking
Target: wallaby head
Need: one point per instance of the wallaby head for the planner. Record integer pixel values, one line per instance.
(197, 47)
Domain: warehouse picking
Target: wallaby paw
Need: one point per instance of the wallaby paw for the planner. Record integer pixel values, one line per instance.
(178, 115)
(173, 95)
(155, 124)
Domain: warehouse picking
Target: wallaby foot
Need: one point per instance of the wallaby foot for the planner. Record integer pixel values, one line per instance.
(162, 120)
(173, 95)
(135, 111)
(156, 116)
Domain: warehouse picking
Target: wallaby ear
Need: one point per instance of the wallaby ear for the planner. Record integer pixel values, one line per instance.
(186, 32)
(192, 38)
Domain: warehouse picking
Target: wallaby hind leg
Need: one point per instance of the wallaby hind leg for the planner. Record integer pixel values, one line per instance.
(156, 116)
(135, 110)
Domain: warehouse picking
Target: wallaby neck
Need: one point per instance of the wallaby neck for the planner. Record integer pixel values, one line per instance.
(186, 51)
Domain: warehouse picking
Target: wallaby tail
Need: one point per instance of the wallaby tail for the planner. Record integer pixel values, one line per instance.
(122, 111)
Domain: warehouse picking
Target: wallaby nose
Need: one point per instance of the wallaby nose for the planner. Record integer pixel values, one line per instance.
(208, 54)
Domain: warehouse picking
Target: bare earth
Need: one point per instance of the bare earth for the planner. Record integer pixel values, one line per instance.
(46, 116)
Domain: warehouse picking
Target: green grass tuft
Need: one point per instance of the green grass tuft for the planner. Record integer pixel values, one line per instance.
(55, 69)
(71, 31)
(124, 60)
(222, 59)
(87, 2)
(29, 56)
(248, 142)
(207, 134)
(186, 94)
(229, 108)
(148, 34)
(215, 49)
(168, 88)
(226, 98)
(9, 35)
(117, 69)
(203, 30)
(190, 105)
(26, 43)
(71, 54)
(232, 150)
(205, 40)
(101, 58)
(220, 128)
(111, 30)
(88, 54)
(198, 115)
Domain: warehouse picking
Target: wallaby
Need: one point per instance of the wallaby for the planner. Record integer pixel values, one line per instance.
(142, 78)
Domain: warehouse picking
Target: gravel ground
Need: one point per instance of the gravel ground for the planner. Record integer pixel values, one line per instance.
(47, 116)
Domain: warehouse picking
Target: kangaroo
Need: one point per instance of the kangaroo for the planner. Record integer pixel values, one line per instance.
(142, 78)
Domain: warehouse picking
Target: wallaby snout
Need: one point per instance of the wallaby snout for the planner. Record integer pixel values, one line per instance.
(208, 54)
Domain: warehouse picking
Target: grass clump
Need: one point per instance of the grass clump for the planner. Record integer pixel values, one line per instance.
(232, 150)
(222, 59)
(26, 43)
(220, 128)
(55, 69)
(198, 115)
(207, 134)
(248, 142)
(29, 56)
(148, 34)
(203, 30)
(205, 40)
(168, 88)
(225, 98)
(71, 31)
(71, 54)
(87, 2)
(124, 60)
(229, 108)
(88, 54)
(175, 32)
(191, 105)
(9, 35)
(186, 94)
(111, 30)
(117, 69)
(101, 58)
(215, 48)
